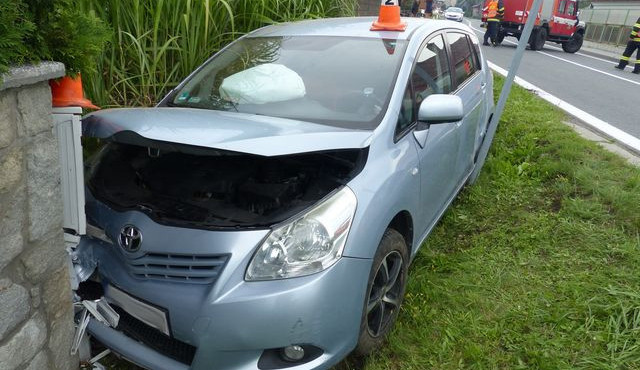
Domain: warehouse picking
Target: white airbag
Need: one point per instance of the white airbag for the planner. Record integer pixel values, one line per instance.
(266, 83)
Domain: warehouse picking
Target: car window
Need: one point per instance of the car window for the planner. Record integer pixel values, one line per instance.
(475, 48)
(406, 116)
(462, 56)
(561, 6)
(571, 8)
(337, 81)
(431, 74)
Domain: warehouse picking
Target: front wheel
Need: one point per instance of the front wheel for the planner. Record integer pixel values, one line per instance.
(385, 290)
(574, 44)
(538, 38)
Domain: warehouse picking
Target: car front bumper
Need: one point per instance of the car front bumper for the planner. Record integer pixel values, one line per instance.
(231, 328)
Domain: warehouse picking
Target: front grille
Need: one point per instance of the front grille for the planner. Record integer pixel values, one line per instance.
(203, 269)
(153, 338)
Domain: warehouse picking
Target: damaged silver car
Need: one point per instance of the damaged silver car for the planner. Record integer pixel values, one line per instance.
(264, 215)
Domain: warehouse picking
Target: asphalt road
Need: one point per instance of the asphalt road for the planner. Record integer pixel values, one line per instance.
(587, 82)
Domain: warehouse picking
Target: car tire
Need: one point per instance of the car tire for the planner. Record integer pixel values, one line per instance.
(384, 292)
(500, 38)
(538, 38)
(574, 44)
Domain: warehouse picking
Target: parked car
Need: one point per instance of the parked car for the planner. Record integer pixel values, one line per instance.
(264, 215)
(454, 14)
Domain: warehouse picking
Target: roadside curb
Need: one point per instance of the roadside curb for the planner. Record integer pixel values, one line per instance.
(627, 142)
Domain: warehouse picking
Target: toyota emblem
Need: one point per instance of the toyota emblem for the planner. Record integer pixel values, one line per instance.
(130, 238)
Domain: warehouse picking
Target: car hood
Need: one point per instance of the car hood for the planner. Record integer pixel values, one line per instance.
(238, 132)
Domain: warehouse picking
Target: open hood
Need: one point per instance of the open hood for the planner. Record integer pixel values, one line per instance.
(238, 132)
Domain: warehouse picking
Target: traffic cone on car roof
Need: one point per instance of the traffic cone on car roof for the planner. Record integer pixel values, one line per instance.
(389, 17)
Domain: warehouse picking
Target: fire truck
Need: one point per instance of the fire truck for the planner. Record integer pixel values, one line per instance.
(556, 21)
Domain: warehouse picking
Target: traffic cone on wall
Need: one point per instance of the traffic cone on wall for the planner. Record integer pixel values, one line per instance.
(67, 92)
(389, 17)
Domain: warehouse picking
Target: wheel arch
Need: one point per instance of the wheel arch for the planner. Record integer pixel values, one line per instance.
(402, 222)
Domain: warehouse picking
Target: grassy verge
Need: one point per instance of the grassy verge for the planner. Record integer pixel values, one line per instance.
(535, 266)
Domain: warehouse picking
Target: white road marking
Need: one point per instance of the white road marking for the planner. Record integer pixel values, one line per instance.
(595, 123)
(590, 68)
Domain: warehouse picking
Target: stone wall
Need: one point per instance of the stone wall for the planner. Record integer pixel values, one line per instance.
(36, 313)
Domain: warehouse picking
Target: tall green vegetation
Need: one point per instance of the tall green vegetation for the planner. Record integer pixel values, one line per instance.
(35, 30)
(15, 26)
(156, 43)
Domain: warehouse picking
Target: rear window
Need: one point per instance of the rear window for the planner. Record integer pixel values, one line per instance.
(337, 81)
(464, 62)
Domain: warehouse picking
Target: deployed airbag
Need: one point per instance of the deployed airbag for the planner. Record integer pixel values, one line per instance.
(266, 83)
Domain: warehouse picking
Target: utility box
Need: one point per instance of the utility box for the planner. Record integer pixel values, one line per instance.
(69, 131)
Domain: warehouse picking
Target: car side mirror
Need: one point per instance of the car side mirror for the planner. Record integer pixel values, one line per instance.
(441, 108)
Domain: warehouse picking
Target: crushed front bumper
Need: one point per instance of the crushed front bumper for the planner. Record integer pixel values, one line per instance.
(231, 327)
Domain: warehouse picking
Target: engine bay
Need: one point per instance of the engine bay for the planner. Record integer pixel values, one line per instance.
(212, 189)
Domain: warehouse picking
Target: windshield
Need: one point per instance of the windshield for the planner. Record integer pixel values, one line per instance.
(455, 10)
(337, 81)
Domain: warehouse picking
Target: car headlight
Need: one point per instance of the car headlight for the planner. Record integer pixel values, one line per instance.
(308, 244)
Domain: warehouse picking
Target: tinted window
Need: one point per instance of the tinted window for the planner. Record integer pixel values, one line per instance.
(337, 81)
(462, 56)
(431, 74)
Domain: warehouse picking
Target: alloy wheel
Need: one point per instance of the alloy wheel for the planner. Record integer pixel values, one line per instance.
(384, 297)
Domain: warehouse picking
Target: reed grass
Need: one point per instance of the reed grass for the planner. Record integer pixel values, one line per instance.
(156, 43)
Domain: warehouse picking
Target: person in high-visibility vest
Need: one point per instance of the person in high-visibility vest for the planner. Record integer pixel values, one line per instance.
(495, 12)
(632, 45)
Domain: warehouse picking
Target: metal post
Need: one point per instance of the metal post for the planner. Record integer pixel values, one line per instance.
(506, 88)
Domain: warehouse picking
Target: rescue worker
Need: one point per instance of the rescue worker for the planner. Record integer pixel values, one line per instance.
(495, 12)
(632, 45)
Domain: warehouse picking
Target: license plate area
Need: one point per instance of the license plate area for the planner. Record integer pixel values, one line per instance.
(145, 312)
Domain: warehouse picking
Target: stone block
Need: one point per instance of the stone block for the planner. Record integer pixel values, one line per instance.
(8, 118)
(13, 212)
(14, 305)
(34, 107)
(11, 168)
(24, 344)
(44, 258)
(57, 296)
(60, 342)
(10, 247)
(43, 187)
(40, 362)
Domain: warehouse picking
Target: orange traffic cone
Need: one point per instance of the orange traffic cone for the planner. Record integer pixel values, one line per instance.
(67, 92)
(389, 17)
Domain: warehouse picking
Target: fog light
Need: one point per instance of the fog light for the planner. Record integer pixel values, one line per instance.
(293, 353)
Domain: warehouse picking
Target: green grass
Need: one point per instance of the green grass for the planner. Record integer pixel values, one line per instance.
(533, 267)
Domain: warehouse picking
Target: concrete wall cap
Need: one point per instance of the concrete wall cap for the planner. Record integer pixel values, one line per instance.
(31, 74)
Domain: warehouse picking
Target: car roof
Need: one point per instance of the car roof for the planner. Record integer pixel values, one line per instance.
(347, 27)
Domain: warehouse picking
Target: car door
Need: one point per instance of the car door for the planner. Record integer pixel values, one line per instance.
(471, 88)
(437, 145)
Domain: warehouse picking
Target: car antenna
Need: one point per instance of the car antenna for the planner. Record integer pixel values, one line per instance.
(389, 17)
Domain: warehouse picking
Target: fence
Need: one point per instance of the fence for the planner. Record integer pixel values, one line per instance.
(609, 26)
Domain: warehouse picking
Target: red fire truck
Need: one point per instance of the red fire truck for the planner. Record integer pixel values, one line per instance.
(556, 21)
